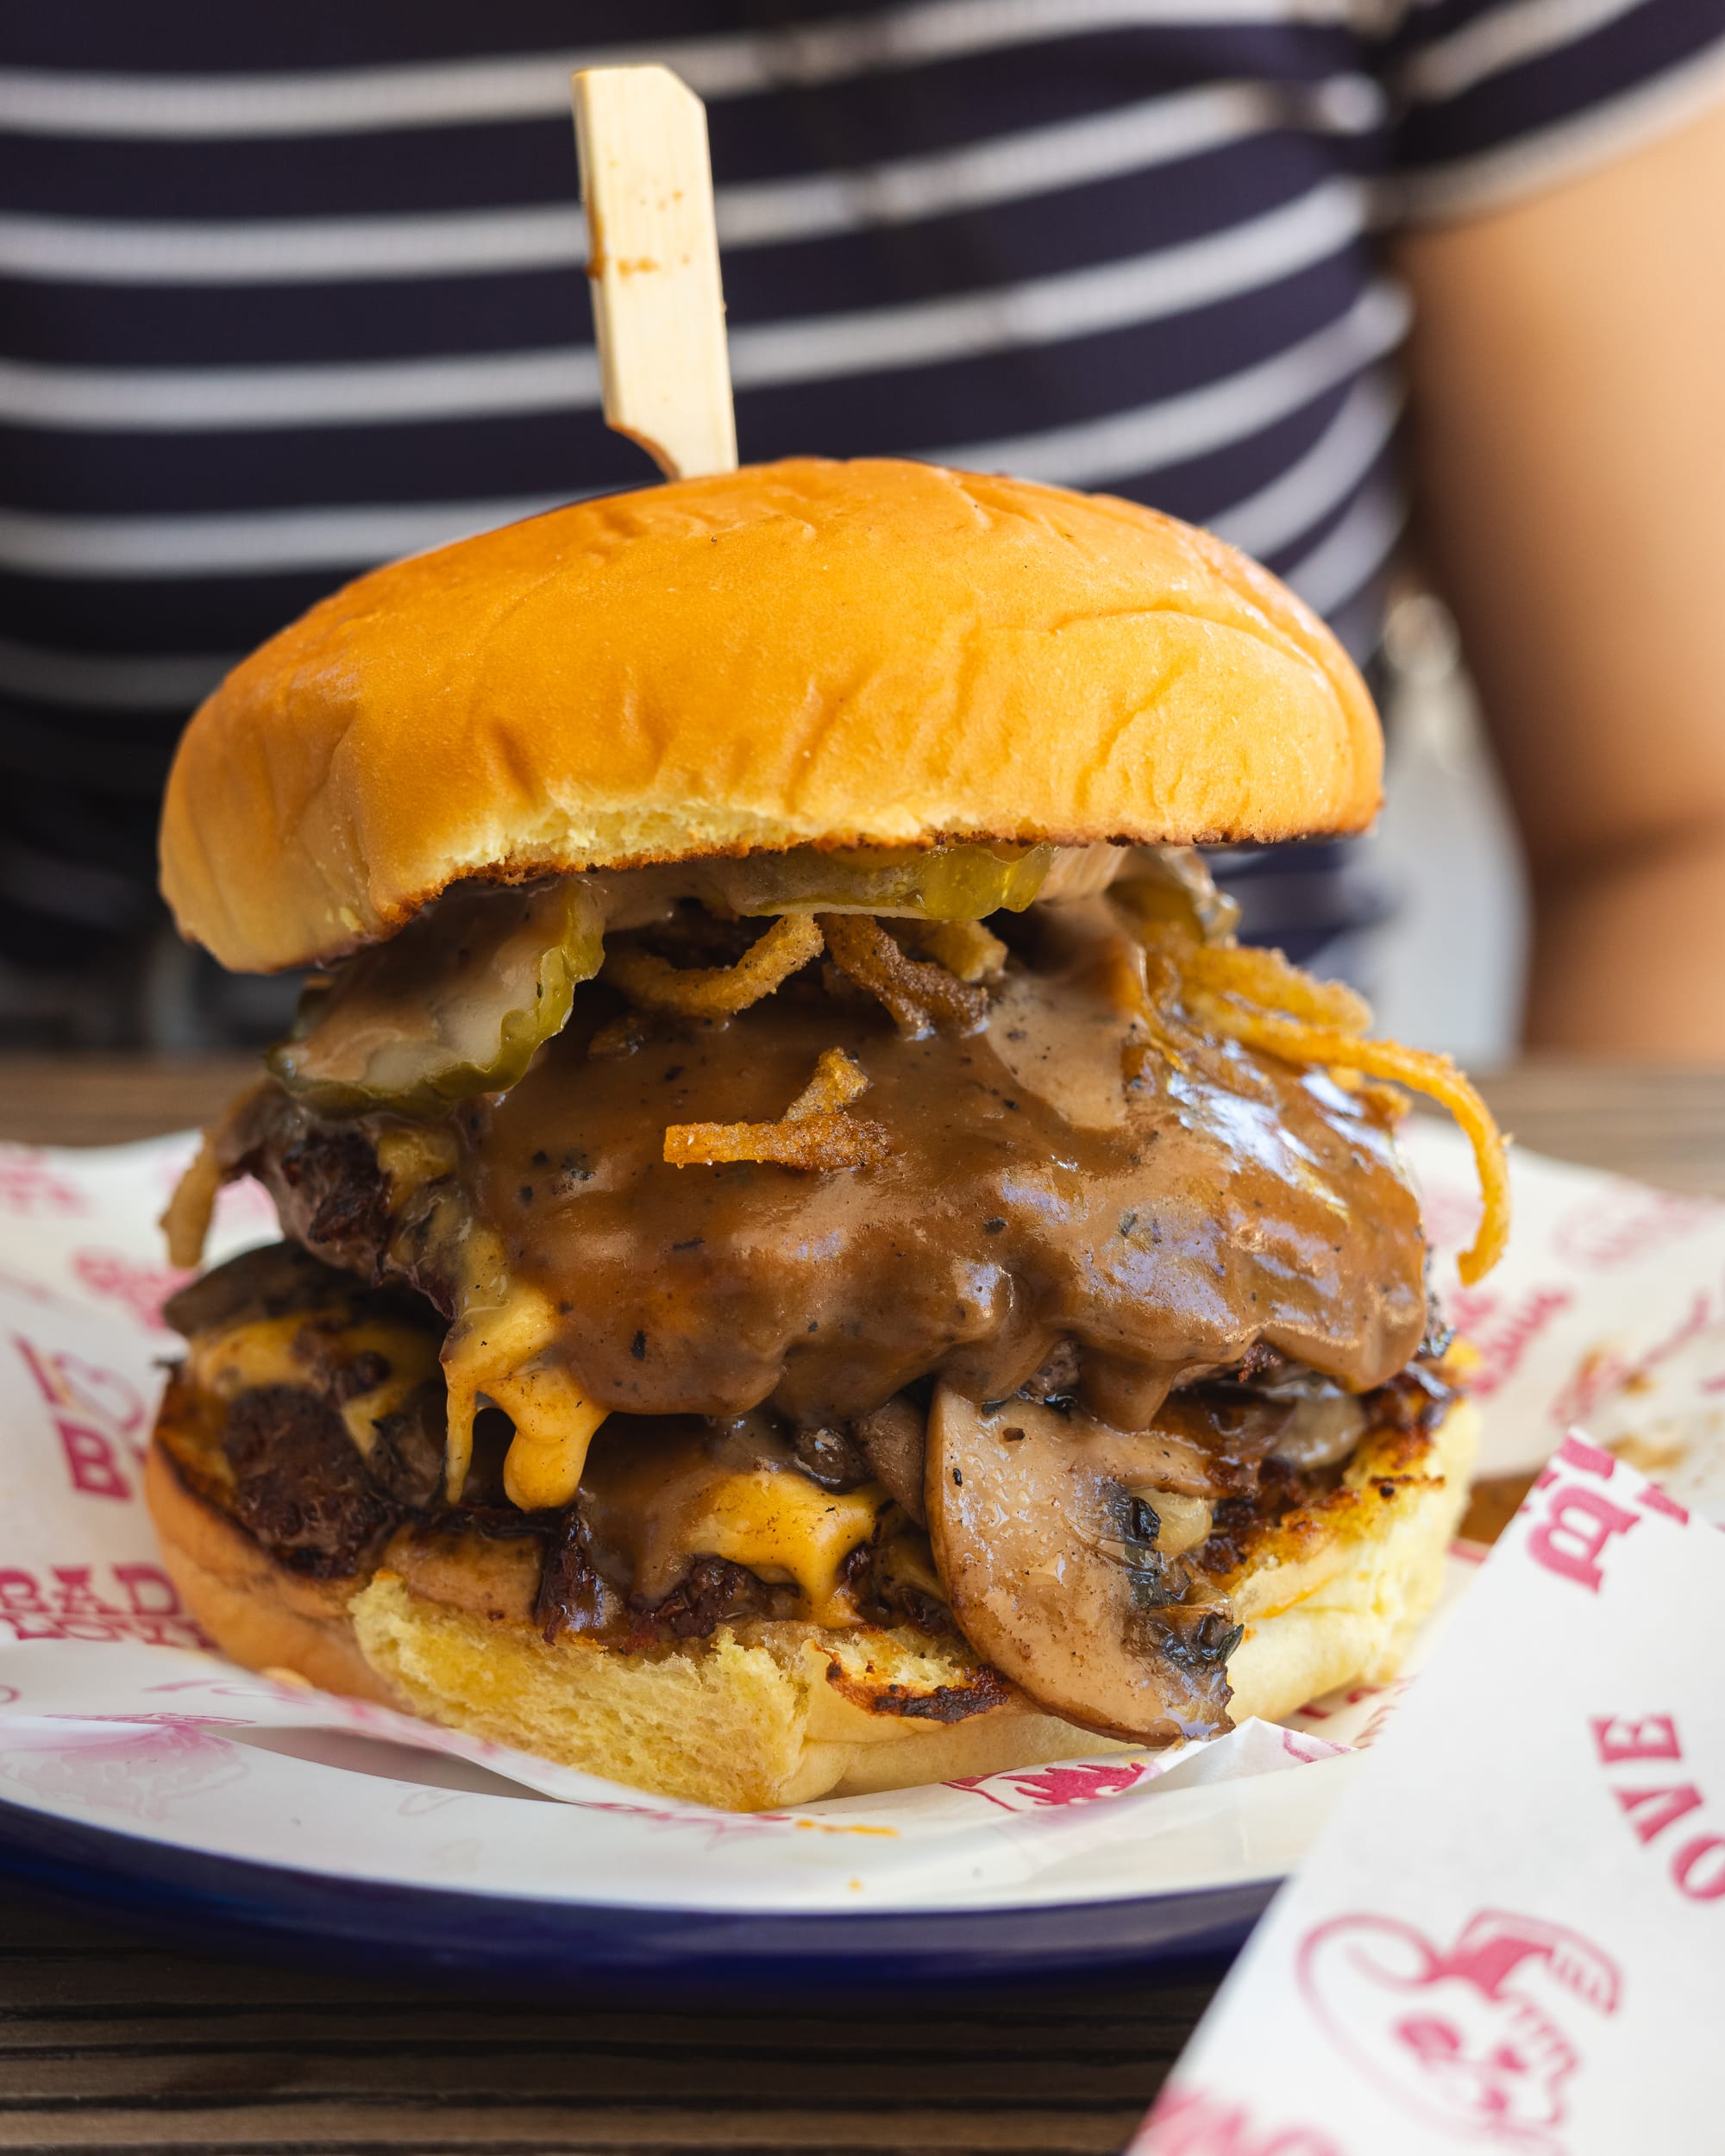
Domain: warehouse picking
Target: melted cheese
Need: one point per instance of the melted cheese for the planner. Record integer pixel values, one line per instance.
(656, 1493)
(240, 1358)
(499, 1349)
(781, 1525)
(661, 1500)
(553, 1425)
(414, 1154)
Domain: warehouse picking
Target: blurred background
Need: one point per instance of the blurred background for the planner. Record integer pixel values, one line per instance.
(1447, 965)
(1421, 302)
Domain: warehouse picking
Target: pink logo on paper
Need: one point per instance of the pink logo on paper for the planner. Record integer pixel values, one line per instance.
(30, 1186)
(1504, 1333)
(98, 1413)
(140, 1770)
(1190, 2121)
(1079, 1784)
(1624, 1223)
(1476, 2039)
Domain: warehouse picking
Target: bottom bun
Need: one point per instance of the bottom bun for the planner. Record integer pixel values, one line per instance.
(767, 1712)
(758, 1714)
(1334, 1594)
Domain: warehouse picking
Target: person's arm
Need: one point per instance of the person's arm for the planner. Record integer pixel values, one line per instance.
(1568, 371)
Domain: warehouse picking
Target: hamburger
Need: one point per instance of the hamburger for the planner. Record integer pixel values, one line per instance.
(812, 1259)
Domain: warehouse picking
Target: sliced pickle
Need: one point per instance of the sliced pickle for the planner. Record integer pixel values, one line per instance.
(457, 1003)
(454, 1004)
(963, 882)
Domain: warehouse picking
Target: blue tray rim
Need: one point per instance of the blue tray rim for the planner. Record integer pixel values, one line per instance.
(609, 1950)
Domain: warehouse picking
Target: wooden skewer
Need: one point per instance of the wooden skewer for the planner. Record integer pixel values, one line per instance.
(652, 261)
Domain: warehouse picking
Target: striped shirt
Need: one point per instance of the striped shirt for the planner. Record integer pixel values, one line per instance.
(288, 290)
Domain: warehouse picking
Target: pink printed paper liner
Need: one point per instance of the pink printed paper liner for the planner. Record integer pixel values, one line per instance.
(1607, 1286)
(1509, 1939)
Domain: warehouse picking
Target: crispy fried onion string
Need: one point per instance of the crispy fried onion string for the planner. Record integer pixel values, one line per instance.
(919, 996)
(714, 992)
(1436, 1076)
(1147, 982)
(186, 1222)
(1265, 977)
(837, 1083)
(1257, 998)
(1389, 1101)
(964, 947)
(813, 1133)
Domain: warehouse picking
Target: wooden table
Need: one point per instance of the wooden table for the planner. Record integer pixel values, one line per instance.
(109, 2043)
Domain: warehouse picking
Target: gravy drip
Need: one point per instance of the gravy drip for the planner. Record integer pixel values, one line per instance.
(1029, 1194)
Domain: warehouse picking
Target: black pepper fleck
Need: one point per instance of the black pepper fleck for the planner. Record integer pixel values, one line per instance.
(958, 1477)
(993, 1227)
(637, 1347)
(694, 1243)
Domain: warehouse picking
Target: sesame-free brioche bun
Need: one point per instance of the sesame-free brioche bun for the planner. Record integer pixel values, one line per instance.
(764, 1712)
(771, 1712)
(805, 653)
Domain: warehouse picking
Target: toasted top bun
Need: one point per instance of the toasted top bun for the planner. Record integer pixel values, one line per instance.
(875, 653)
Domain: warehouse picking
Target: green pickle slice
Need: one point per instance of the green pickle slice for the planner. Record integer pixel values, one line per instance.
(457, 1003)
(454, 1004)
(963, 882)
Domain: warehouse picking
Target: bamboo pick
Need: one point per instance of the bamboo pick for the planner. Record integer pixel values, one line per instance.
(652, 261)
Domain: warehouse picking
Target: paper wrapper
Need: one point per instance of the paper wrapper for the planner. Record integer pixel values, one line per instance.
(1515, 1941)
(110, 1713)
(1608, 1310)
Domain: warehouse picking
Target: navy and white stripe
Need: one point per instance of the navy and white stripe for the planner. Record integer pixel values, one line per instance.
(288, 290)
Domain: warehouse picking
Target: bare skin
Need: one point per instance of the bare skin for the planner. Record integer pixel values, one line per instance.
(1570, 452)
